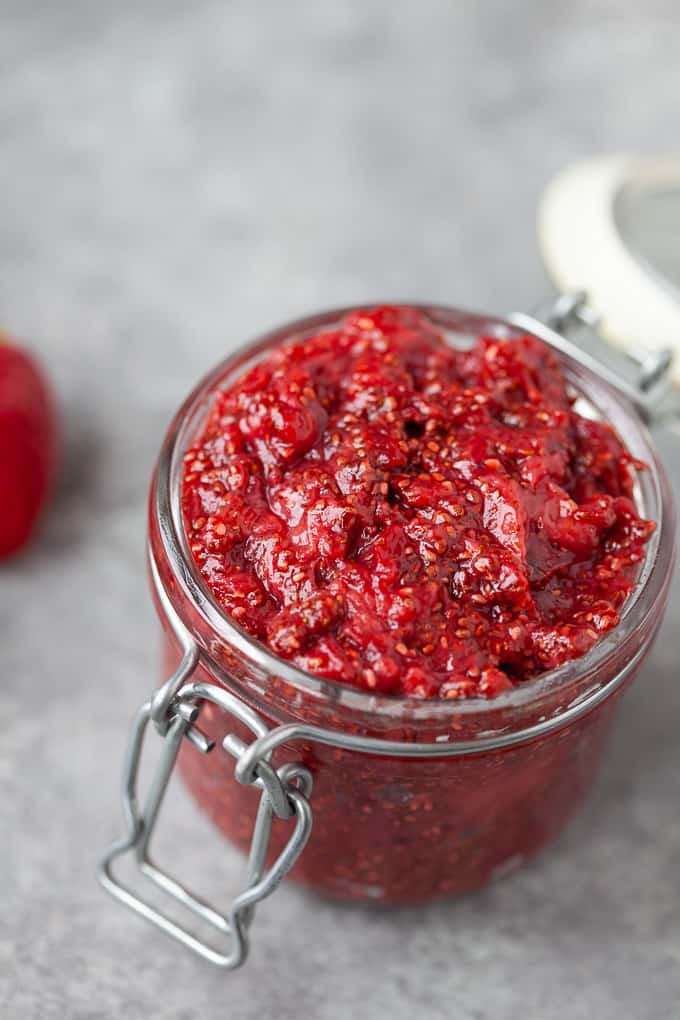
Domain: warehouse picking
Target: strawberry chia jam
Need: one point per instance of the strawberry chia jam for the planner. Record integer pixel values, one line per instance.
(438, 548)
(391, 513)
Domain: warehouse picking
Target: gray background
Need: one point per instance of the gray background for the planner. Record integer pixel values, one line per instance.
(173, 178)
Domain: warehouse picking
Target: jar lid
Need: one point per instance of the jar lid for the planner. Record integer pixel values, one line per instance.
(610, 226)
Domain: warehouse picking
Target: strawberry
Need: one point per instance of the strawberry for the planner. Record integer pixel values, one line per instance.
(28, 445)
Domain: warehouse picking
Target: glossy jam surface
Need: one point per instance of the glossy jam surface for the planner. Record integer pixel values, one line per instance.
(393, 513)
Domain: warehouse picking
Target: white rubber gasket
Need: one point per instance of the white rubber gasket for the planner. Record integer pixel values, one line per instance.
(582, 249)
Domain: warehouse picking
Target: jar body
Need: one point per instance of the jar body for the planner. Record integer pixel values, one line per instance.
(408, 830)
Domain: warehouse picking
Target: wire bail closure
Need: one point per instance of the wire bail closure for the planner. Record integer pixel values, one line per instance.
(284, 793)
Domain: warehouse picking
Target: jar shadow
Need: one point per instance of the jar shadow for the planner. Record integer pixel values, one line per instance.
(90, 485)
(62, 527)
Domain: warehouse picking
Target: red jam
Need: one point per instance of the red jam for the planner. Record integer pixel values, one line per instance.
(409, 518)
(393, 513)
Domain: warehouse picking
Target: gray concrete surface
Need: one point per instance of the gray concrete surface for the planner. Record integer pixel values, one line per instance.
(173, 178)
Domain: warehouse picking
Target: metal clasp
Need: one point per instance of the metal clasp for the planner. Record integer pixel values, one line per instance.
(284, 792)
(650, 390)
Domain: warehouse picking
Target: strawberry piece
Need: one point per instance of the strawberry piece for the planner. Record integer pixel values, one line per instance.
(28, 446)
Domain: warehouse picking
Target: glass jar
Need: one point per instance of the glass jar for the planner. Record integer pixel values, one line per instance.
(412, 799)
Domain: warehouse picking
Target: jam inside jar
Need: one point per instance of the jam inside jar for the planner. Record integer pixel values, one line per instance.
(491, 781)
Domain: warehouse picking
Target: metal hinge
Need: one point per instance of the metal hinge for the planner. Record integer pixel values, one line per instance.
(648, 388)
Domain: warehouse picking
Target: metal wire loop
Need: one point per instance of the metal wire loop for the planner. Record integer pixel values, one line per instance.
(284, 792)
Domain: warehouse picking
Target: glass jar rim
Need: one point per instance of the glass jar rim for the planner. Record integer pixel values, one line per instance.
(649, 592)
